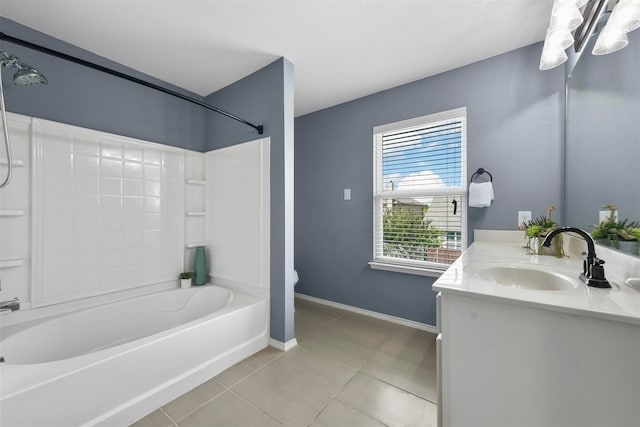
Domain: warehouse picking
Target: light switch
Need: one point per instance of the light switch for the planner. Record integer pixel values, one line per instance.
(347, 194)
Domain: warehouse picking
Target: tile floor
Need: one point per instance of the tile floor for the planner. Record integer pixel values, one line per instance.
(348, 370)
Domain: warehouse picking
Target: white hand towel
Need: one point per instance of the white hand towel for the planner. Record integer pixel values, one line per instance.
(480, 194)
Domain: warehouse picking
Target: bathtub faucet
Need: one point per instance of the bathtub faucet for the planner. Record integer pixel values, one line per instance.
(11, 305)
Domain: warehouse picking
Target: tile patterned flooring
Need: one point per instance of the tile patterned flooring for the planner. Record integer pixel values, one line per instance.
(347, 370)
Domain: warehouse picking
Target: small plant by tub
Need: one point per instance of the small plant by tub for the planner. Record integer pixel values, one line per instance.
(185, 279)
(535, 232)
(623, 235)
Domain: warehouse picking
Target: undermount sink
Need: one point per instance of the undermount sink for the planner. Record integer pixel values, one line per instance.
(526, 278)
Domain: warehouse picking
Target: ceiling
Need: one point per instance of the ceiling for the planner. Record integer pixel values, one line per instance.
(341, 49)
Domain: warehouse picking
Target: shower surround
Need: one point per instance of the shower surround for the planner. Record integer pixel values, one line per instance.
(94, 219)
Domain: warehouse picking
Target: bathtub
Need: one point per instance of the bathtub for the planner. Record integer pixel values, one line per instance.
(114, 363)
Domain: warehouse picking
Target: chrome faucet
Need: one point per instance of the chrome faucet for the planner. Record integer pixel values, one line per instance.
(592, 267)
(11, 305)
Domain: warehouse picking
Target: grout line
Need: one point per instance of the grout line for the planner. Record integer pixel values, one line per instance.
(321, 411)
(320, 328)
(304, 381)
(251, 404)
(360, 370)
(353, 407)
(204, 404)
(399, 388)
(252, 372)
(259, 368)
(175, 424)
(226, 388)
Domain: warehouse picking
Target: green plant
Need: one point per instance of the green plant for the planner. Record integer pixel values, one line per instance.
(186, 275)
(614, 230)
(539, 227)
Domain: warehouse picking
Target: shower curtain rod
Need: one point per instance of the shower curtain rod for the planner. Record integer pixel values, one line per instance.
(70, 58)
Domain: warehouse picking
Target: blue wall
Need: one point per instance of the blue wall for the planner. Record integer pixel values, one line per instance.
(515, 127)
(266, 97)
(603, 135)
(84, 97)
(515, 122)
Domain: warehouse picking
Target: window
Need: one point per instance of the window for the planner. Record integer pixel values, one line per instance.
(420, 193)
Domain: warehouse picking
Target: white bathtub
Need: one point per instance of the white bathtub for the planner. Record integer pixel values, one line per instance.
(114, 363)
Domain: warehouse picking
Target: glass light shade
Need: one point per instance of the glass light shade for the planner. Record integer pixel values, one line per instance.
(552, 56)
(578, 3)
(610, 40)
(565, 15)
(626, 16)
(559, 37)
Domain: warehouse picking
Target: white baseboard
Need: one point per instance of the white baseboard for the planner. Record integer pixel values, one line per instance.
(387, 317)
(283, 346)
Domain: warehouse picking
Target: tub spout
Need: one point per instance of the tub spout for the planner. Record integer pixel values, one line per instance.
(11, 305)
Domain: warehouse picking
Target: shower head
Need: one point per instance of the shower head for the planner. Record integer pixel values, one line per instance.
(26, 74)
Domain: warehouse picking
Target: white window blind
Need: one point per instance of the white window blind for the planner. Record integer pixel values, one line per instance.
(420, 191)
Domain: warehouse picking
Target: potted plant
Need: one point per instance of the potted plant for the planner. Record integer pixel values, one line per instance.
(535, 232)
(623, 235)
(185, 279)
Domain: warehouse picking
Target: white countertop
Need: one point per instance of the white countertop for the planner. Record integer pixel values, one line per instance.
(620, 303)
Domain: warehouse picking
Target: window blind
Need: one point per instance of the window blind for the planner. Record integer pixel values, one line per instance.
(420, 192)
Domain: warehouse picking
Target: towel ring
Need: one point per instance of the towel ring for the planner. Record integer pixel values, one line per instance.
(480, 171)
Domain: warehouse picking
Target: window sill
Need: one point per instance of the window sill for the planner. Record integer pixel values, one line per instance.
(399, 268)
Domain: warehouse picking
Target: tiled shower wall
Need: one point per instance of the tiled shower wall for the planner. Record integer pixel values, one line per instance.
(106, 214)
(238, 215)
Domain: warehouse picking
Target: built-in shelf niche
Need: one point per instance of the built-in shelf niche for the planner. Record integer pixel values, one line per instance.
(195, 187)
(194, 245)
(12, 212)
(195, 182)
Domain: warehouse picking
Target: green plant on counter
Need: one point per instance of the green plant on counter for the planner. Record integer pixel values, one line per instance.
(613, 230)
(186, 275)
(537, 229)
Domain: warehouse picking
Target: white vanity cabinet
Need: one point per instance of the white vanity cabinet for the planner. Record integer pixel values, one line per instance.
(512, 363)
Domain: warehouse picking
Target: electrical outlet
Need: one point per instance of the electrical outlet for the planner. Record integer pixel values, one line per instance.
(347, 194)
(523, 217)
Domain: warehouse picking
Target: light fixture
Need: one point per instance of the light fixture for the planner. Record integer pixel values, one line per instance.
(565, 14)
(624, 18)
(626, 15)
(610, 40)
(568, 25)
(552, 55)
(565, 17)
